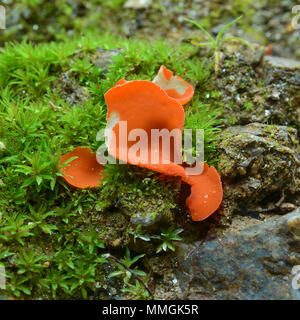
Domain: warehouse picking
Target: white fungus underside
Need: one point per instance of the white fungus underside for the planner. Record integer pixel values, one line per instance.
(173, 83)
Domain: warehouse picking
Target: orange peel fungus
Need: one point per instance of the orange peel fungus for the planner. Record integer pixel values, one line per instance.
(84, 171)
(174, 86)
(148, 105)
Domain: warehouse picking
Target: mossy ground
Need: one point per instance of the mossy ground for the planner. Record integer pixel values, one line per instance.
(50, 241)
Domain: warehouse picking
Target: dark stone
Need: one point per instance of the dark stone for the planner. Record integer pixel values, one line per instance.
(258, 88)
(255, 263)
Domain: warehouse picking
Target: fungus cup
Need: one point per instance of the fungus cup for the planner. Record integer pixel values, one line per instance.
(174, 86)
(134, 109)
(83, 171)
(143, 105)
(206, 193)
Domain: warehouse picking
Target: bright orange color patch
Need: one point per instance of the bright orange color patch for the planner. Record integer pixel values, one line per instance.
(146, 106)
(120, 82)
(174, 86)
(84, 171)
(206, 193)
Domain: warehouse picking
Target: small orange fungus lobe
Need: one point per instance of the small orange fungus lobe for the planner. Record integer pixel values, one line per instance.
(174, 86)
(206, 193)
(84, 171)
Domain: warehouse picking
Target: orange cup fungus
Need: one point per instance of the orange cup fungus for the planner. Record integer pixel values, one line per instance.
(148, 105)
(143, 105)
(206, 193)
(84, 171)
(174, 86)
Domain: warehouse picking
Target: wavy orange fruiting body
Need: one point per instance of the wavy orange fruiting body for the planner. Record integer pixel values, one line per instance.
(144, 105)
(206, 193)
(174, 86)
(84, 171)
(149, 106)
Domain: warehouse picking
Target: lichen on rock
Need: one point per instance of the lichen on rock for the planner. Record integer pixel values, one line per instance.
(258, 162)
(258, 88)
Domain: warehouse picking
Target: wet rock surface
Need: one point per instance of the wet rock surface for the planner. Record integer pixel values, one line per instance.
(258, 88)
(282, 80)
(255, 263)
(258, 164)
(283, 63)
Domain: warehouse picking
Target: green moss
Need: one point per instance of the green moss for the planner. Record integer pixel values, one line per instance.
(42, 20)
(136, 191)
(248, 105)
(233, 120)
